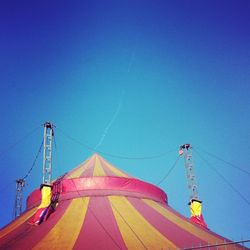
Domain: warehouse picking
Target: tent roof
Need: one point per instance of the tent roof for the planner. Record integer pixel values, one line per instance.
(95, 166)
(101, 207)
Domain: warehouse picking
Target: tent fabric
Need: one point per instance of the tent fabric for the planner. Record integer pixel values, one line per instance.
(196, 214)
(195, 208)
(46, 196)
(95, 166)
(45, 208)
(98, 214)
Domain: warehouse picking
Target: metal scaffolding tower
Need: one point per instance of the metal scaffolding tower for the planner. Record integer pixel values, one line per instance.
(47, 152)
(186, 151)
(19, 197)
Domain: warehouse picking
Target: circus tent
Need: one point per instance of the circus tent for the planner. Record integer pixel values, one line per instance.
(101, 207)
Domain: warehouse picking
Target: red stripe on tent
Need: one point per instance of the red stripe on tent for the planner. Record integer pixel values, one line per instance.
(89, 163)
(171, 231)
(34, 199)
(27, 236)
(114, 183)
(88, 168)
(220, 238)
(108, 185)
(116, 172)
(89, 171)
(106, 169)
(100, 230)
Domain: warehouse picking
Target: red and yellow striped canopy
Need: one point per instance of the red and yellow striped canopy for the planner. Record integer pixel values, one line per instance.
(101, 207)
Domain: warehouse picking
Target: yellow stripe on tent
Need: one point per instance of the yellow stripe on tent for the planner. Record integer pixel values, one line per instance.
(187, 226)
(116, 171)
(98, 170)
(79, 170)
(46, 197)
(64, 234)
(17, 222)
(136, 231)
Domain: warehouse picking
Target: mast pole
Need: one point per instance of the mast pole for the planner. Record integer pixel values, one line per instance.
(47, 152)
(195, 203)
(20, 183)
(186, 151)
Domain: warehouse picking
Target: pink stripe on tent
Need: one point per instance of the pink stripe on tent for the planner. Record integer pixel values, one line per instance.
(108, 170)
(171, 231)
(27, 236)
(99, 230)
(114, 183)
(88, 172)
(33, 199)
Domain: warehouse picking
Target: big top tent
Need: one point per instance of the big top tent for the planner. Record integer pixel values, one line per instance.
(100, 207)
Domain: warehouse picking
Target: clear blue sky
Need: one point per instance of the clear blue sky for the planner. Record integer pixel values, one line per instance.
(132, 78)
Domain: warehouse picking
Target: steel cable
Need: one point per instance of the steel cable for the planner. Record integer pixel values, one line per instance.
(227, 162)
(224, 179)
(169, 171)
(115, 155)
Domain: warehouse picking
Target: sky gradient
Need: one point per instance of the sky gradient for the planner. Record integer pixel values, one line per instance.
(131, 79)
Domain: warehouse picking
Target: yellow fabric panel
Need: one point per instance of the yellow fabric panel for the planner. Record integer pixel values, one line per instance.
(116, 171)
(136, 231)
(98, 170)
(46, 197)
(76, 173)
(79, 170)
(195, 208)
(196, 231)
(20, 220)
(64, 234)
